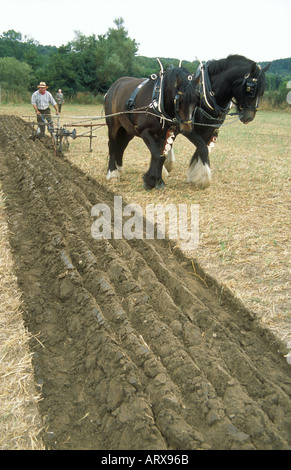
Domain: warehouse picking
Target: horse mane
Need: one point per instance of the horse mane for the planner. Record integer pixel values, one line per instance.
(237, 63)
(235, 60)
(177, 79)
(180, 72)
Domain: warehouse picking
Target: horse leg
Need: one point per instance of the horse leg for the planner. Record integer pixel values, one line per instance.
(117, 146)
(163, 172)
(199, 171)
(153, 177)
(112, 171)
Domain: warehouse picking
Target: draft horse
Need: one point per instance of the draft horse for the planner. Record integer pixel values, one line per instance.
(155, 109)
(235, 79)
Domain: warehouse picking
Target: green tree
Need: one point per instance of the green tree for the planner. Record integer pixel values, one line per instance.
(15, 74)
(115, 55)
(84, 60)
(11, 45)
(60, 72)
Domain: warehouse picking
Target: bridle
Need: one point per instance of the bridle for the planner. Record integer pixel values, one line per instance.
(178, 95)
(249, 89)
(207, 94)
(158, 101)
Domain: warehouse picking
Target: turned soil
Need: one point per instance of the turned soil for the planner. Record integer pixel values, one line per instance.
(130, 349)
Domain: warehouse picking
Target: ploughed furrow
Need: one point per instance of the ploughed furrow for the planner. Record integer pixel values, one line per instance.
(131, 350)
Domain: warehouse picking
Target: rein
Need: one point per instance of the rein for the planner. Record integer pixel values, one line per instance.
(211, 118)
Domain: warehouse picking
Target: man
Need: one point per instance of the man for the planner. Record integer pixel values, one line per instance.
(40, 100)
(60, 99)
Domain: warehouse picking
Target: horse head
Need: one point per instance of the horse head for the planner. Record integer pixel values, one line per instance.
(248, 91)
(184, 98)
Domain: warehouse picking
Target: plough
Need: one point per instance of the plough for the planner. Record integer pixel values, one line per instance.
(59, 134)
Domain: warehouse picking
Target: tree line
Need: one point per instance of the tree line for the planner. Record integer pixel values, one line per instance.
(88, 65)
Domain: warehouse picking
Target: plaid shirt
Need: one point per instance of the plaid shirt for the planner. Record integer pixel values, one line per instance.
(42, 101)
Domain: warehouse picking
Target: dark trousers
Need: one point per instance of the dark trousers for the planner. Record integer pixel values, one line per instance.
(44, 119)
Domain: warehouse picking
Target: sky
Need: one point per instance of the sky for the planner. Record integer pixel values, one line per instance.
(185, 29)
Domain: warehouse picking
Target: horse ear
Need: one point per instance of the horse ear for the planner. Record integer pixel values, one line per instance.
(253, 68)
(267, 67)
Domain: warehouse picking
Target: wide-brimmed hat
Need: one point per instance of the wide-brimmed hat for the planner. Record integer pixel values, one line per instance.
(42, 85)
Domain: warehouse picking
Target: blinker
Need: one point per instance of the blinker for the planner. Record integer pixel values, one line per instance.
(250, 86)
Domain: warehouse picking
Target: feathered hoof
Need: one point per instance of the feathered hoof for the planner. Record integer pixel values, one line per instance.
(113, 174)
(170, 160)
(165, 173)
(199, 175)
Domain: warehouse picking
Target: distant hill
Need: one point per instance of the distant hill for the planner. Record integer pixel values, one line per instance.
(280, 67)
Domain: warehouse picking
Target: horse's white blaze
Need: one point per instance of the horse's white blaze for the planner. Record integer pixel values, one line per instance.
(170, 159)
(112, 174)
(199, 174)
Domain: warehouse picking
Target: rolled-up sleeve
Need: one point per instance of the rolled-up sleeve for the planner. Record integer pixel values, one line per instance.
(51, 99)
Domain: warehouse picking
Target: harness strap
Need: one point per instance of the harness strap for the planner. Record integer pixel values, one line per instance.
(207, 93)
(158, 100)
(131, 100)
(157, 103)
(211, 95)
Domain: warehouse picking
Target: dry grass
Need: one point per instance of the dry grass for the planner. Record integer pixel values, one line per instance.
(19, 421)
(244, 226)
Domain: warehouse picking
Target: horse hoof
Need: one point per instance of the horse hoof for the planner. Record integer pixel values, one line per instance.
(160, 184)
(147, 187)
(199, 174)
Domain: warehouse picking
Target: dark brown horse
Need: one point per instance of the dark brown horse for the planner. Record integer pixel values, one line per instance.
(157, 110)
